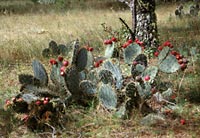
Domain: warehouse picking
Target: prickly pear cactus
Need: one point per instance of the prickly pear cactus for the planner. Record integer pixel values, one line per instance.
(139, 64)
(113, 67)
(169, 64)
(106, 76)
(163, 54)
(57, 79)
(109, 50)
(151, 71)
(88, 88)
(107, 96)
(72, 80)
(132, 94)
(53, 47)
(93, 76)
(144, 90)
(85, 59)
(74, 52)
(26, 79)
(131, 52)
(64, 50)
(40, 72)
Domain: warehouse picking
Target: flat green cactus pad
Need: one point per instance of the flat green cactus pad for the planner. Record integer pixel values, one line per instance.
(169, 64)
(109, 50)
(106, 76)
(72, 81)
(74, 52)
(131, 52)
(87, 87)
(107, 96)
(93, 76)
(151, 71)
(82, 58)
(113, 66)
(85, 59)
(163, 54)
(40, 72)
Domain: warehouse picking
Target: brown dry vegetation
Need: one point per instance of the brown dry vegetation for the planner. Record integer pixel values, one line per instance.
(22, 37)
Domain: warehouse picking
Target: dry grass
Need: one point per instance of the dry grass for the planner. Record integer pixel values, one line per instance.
(24, 36)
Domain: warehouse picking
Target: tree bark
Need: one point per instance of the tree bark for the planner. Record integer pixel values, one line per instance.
(146, 23)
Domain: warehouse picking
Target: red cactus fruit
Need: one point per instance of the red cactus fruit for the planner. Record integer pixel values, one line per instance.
(62, 68)
(147, 78)
(156, 54)
(180, 61)
(62, 73)
(178, 57)
(38, 102)
(182, 121)
(90, 49)
(100, 61)
(183, 66)
(108, 42)
(45, 102)
(135, 63)
(53, 62)
(114, 39)
(174, 53)
(160, 48)
(96, 64)
(60, 58)
(125, 45)
(130, 41)
(65, 63)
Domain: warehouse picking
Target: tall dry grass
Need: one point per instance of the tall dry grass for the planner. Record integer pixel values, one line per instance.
(24, 36)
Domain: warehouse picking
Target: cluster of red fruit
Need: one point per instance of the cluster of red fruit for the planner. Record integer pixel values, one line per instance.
(110, 41)
(65, 63)
(44, 101)
(130, 41)
(181, 59)
(165, 44)
(98, 63)
(10, 102)
(89, 48)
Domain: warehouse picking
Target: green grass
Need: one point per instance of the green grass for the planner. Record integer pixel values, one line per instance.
(24, 36)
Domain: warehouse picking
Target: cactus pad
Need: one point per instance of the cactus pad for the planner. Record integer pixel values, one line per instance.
(46, 52)
(92, 76)
(150, 71)
(53, 47)
(107, 96)
(169, 64)
(131, 52)
(28, 80)
(106, 76)
(113, 66)
(163, 54)
(75, 52)
(109, 50)
(85, 59)
(72, 80)
(40, 72)
(87, 87)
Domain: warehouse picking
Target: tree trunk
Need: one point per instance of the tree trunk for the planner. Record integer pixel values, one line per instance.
(146, 23)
